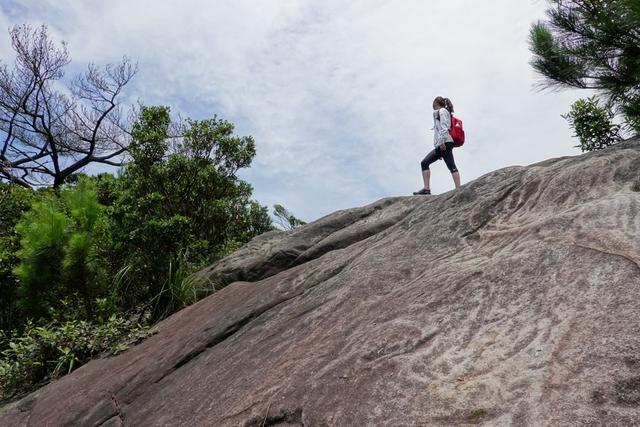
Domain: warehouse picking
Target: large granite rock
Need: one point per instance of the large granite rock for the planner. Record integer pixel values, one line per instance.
(515, 301)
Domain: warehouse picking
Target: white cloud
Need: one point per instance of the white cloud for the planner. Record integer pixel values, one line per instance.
(337, 94)
(5, 46)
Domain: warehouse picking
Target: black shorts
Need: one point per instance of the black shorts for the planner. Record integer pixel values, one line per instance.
(437, 154)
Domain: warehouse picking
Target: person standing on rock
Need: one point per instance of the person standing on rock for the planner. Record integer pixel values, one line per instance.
(443, 143)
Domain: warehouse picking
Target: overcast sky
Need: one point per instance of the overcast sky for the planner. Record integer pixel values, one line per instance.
(337, 94)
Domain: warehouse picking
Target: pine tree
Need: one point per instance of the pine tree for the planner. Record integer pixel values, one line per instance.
(592, 44)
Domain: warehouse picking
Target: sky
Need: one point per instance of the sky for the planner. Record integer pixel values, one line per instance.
(336, 94)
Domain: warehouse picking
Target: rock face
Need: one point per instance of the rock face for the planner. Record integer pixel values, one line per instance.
(515, 301)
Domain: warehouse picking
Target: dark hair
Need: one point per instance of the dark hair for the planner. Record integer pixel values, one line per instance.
(444, 103)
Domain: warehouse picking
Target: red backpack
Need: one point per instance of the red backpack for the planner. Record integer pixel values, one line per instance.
(457, 131)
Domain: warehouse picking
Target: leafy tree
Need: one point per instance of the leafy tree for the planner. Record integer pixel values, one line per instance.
(592, 44)
(593, 125)
(48, 132)
(285, 218)
(179, 203)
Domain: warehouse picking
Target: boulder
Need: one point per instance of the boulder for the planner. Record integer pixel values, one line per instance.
(514, 301)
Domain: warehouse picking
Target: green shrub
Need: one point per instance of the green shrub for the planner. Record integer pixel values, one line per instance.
(593, 124)
(59, 255)
(180, 287)
(42, 231)
(14, 201)
(42, 353)
(83, 269)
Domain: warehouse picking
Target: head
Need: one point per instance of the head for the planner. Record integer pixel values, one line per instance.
(441, 102)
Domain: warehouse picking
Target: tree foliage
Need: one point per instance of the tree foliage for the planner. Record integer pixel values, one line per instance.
(49, 130)
(58, 251)
(135, 240)
(42, 232)
(14, 202)
(104, 248)
(592, 44)
(180, 201)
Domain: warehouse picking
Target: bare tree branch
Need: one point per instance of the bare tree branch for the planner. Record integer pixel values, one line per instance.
(49, 132)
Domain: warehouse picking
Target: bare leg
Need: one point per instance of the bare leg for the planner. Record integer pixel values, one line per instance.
(426, 176)
(456, 179)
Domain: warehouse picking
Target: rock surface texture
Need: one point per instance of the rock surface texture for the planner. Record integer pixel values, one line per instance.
(515, 301)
